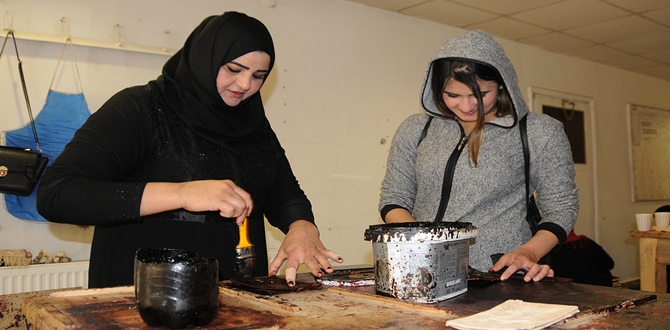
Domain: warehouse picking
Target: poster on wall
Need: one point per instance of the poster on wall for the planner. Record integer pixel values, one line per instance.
(649, 152)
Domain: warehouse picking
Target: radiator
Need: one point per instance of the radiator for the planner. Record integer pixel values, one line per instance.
(44, 277)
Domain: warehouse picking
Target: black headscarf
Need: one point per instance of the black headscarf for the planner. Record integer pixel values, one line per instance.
(188, 82)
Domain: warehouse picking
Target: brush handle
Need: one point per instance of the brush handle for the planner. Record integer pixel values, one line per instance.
(244, 236)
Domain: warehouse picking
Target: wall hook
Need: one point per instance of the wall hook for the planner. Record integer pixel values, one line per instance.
(269, 3)
(9, 20)
(65, 27)
(119, 36)
(166, 41)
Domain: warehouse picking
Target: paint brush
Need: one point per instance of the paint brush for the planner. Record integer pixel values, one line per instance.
(245, 254)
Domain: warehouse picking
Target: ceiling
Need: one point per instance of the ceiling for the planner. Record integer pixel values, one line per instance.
(633, 35)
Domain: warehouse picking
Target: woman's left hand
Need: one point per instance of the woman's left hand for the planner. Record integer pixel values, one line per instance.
(526, 258)
(302, 245)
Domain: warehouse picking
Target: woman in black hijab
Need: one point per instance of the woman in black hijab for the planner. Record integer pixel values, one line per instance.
(182, 161)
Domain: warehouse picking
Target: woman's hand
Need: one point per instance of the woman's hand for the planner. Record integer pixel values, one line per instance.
(197, 196)
(303, 246)
(522, 260)
(526, 258)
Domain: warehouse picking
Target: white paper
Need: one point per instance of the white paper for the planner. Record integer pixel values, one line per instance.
(515, 315)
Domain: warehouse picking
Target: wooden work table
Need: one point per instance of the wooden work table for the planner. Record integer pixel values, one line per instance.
(654, 258)
(355, 308)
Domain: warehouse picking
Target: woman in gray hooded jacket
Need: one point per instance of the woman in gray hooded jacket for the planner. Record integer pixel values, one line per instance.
(472, 98)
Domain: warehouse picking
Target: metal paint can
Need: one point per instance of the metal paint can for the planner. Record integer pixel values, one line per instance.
(421, 262)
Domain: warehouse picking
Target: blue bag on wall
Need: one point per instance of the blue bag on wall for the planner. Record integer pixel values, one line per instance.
(62, 115)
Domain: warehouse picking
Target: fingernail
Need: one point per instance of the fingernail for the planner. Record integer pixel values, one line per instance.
(329, 268)
(290, 284)
(340, 259)
(319, 274)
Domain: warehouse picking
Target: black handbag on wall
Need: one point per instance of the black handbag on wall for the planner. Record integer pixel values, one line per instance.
(20, 168)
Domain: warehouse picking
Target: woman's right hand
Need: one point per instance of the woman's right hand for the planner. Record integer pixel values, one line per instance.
(197, 196)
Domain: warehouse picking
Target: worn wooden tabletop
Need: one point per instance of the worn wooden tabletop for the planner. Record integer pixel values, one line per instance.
(356, 308)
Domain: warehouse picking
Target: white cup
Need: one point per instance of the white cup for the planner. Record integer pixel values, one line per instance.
(644, 221)
(662, 219)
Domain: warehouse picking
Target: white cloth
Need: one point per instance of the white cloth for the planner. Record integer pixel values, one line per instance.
(515, 315)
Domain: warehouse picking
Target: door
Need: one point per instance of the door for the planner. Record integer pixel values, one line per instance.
(575, 112)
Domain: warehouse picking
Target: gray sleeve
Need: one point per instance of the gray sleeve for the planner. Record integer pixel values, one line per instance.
(399, 186)
(553, 173)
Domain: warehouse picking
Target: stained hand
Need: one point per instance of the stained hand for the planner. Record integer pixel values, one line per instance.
(303, 246)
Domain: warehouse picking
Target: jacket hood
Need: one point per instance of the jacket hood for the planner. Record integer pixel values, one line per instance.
(477, 46)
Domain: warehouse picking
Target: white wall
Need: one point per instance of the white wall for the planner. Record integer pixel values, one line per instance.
(346, 75)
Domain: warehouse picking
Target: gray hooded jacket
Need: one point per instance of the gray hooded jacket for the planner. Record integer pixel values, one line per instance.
(492, 195)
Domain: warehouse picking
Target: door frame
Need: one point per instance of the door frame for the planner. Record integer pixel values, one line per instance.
(533, 91)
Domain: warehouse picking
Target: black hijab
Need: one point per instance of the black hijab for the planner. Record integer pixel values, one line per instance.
(188, 83)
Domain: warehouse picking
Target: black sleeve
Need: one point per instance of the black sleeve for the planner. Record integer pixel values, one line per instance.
(388, 208)
(82, 186)
(556, 230)
(286, 202)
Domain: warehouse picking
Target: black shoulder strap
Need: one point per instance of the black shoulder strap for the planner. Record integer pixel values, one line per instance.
(447, 182)
(10, 33)
(448, 172)
(526, 161)
(425, 129)
(526, 151)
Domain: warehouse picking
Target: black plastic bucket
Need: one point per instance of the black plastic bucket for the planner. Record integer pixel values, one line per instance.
(175, 288)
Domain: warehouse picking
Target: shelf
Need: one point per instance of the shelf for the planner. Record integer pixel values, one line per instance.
(89, 43)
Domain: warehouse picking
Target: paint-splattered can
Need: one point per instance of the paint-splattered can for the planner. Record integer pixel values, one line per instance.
(421, 262)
